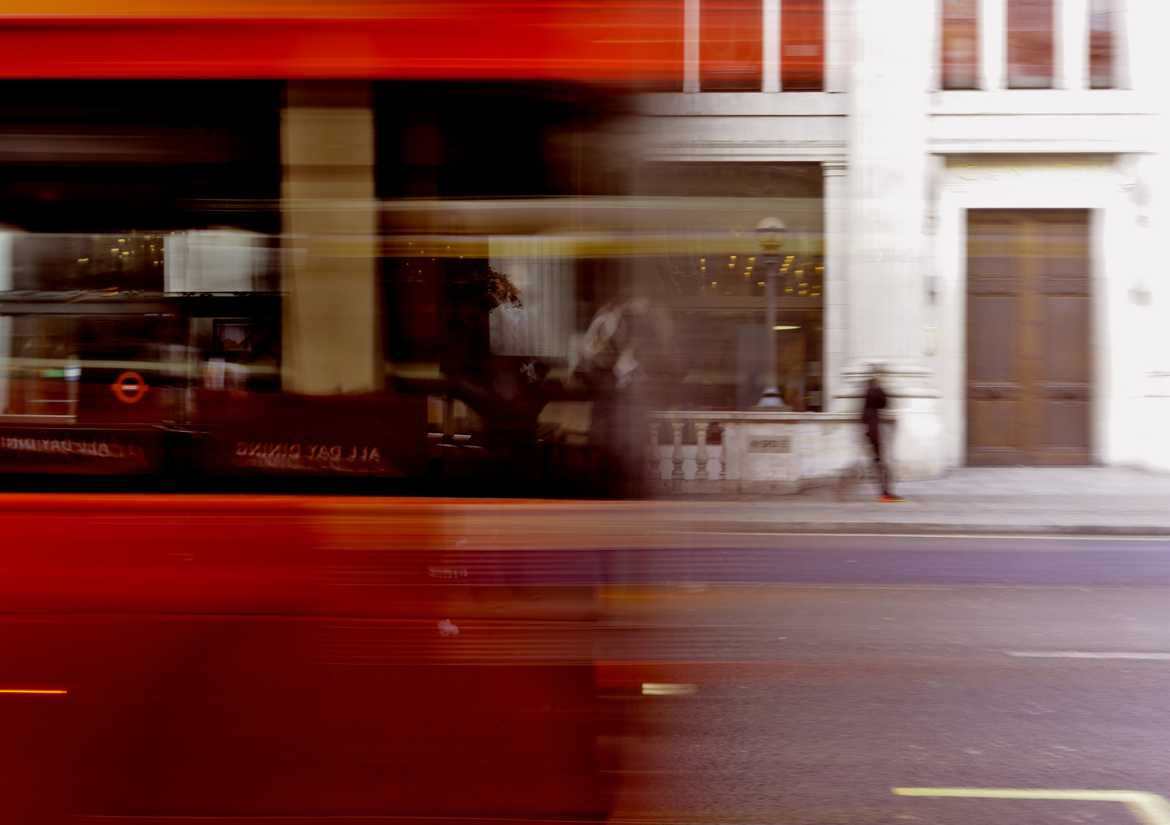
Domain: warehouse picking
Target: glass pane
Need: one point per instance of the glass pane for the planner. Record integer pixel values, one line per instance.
(1102, 54)
(726, 364)
(960, 44)
(1029, 44)
(711, 279)
(731, 46)
(802, 45)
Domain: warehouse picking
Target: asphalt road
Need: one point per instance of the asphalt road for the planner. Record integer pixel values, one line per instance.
(806, 677)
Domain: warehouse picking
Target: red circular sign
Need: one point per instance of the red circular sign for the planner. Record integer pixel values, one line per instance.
(129, 387)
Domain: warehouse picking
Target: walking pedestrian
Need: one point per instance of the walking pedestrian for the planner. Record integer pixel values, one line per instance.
(875, 402)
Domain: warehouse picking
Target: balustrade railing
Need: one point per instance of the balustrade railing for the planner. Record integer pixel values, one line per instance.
(711, 451)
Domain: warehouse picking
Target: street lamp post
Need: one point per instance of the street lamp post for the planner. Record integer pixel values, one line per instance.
(770, 232)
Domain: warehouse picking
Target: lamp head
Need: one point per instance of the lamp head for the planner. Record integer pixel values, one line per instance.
(770, 232)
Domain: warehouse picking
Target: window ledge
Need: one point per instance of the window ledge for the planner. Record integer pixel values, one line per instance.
(743, 104)
(1042, 102)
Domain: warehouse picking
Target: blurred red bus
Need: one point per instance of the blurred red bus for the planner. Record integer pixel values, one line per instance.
(638, 42)
(308, 659)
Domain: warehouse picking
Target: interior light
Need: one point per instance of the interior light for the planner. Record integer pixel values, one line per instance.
(786, 327)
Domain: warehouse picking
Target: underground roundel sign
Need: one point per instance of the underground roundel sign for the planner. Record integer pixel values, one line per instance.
(129, 387)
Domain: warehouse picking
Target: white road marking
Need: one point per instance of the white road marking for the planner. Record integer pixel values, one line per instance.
(1090, 654)
(1147, 808)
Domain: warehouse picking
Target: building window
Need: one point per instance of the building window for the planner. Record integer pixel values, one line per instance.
(960, 44)
(1102, 44)
(1029, 44)
(731, 45)
(802, 45)
(713, 292)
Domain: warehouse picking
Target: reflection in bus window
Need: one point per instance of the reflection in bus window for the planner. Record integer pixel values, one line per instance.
(42, 372)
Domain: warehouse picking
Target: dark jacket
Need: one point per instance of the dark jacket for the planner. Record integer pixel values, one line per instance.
(875, 402)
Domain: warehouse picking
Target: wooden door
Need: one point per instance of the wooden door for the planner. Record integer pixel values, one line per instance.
(1028, 337)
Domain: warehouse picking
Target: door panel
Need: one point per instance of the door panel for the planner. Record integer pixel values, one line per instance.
(994, 387)
(1028, 337)
(994, 390)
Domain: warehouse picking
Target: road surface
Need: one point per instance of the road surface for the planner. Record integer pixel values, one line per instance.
(803, 678)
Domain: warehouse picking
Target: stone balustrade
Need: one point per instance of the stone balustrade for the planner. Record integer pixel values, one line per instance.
(712, 452)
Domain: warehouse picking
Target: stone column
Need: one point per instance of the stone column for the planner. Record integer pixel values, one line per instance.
(332, 339)
(992, 22)
(888, 190)
(1071, 41)
(771, 46)
(837, 54)
(691, 45)
(1145, 70)
(1122, 43)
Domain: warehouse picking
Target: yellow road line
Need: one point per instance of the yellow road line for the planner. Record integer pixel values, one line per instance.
(34, 692)
(1147, 808)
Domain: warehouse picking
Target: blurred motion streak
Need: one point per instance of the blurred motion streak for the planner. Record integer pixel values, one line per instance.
(605, 40)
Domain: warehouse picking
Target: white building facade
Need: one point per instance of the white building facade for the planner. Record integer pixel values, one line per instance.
(995, 188)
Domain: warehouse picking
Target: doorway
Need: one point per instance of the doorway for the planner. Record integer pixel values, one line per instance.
(1029, 337)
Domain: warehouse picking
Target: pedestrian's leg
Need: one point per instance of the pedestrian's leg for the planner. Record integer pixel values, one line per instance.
(883, 471)
(875, 454)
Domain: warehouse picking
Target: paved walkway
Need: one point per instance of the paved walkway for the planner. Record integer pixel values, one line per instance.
(975, 500)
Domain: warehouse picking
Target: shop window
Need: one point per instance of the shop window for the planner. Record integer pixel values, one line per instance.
(731, 45)
(714, 290)
(1103, 20)
(802, 45)
(1030, 26)
(960, 44)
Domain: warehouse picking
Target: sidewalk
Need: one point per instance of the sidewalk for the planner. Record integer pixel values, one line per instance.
(1084, 500)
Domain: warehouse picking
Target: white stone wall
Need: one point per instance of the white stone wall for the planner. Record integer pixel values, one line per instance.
(904, 161)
